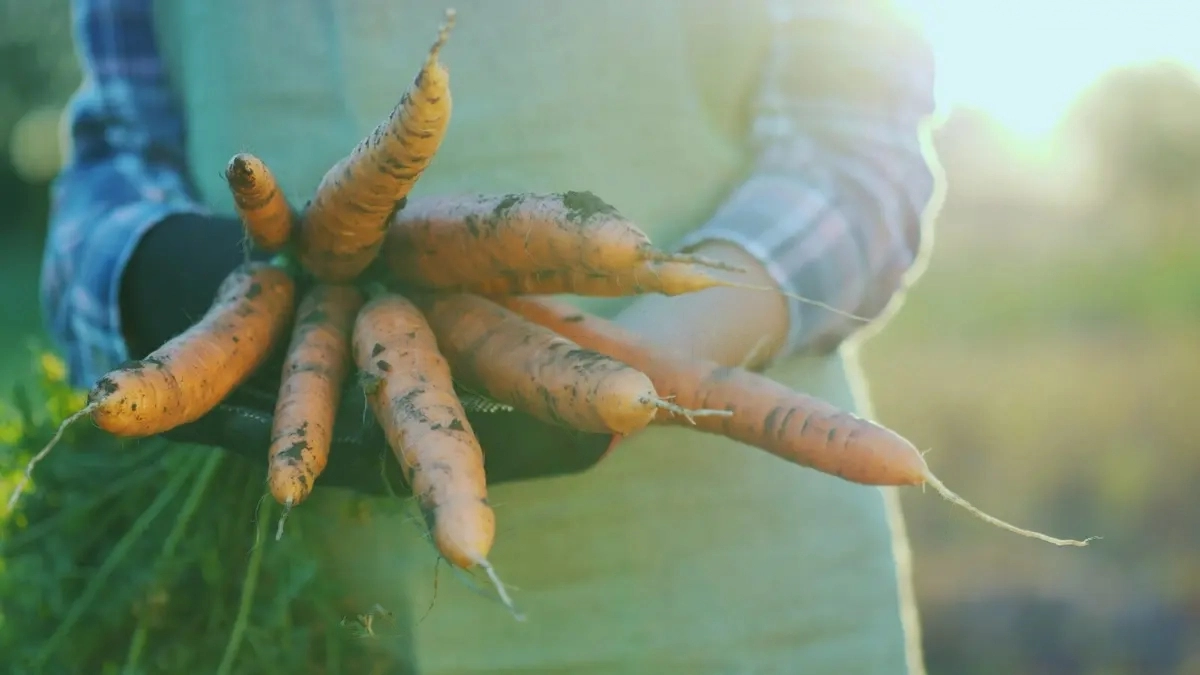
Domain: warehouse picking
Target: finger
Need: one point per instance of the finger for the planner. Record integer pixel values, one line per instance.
(364, 467)
(243, 430)
(517, 446)
(354, 457)
(253, 395)
(358, 457)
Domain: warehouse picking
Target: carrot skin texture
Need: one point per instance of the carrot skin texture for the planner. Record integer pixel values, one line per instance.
(766, 414)
(343, 227)
(536, 370)
(412, 395)
(190, 374)
(446, 242)
(314, 371)
(259, 202)
(666, 278)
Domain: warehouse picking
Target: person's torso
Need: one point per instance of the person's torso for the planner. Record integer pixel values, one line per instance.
(645, 103)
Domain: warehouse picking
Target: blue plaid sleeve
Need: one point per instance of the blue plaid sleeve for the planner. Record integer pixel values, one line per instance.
(123, 173)
(834, 206)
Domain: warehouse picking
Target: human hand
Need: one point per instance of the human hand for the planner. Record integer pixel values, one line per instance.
(162, 297)
(516, 446)
(730, 326)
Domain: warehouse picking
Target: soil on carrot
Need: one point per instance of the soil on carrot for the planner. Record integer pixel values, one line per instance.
(506, 205)
(582, 206)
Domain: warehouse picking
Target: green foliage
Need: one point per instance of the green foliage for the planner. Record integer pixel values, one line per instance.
(147, 557)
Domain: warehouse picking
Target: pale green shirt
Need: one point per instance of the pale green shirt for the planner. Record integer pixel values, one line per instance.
(682, 552)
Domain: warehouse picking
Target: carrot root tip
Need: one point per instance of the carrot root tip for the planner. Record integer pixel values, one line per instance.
(287, 508)
(58, 434)
(825, 306)
(443, 35)
(798, 298)
(501, 589)
(950, 496)
(687, 414)
(692, 259)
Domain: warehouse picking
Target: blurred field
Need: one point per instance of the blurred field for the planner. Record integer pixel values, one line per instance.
(1049, 358)
(1061, 397)
(20, 260)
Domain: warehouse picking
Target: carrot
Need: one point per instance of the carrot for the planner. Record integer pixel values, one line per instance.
(191, 373)
(445, 242)
(259, 201)
(538, 371)
(669, 278)
(872, 455)
(666, 278)
(344, 225)
(194, 371)
(314, 370)
(766, 414)
(411, 394)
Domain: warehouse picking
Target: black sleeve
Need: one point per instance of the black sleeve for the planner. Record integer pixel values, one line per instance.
(172, 278)
(173, 275)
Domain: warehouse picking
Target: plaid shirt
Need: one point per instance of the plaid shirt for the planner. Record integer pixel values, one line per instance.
(833, 208)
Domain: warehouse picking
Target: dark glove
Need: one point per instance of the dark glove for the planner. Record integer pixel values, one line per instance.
(170, 282)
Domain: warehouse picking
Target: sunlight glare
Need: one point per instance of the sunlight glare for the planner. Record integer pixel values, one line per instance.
(1025, 62)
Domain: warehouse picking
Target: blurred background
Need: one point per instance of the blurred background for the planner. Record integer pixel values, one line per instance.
(1048, 357)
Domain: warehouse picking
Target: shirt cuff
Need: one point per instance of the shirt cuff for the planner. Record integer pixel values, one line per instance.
(792, 227)
(87, 320)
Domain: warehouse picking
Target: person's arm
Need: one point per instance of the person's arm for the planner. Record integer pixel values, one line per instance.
(833, 209)
(123, 174)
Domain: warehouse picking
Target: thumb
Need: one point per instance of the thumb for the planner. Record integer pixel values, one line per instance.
(239, 429)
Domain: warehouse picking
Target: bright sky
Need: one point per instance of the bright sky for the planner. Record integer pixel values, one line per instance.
(1024, 61)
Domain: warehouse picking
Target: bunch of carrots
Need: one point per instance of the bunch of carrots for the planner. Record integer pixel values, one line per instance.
(463, 300)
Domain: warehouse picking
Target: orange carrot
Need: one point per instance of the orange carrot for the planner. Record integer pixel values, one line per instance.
(669, 278)
(766, 414)
(259, 201)
(411, 393)
(538, 371)
(442, 242)
(191, 373)
(666, 278)
(802, 429)
(343, 227)
(194, 371)
(314, 371)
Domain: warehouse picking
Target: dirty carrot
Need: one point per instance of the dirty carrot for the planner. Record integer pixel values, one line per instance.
(191, 373)
(444, 242)
(344, 224)
(314, 371)
(410, 392)
(766, 414)
(259, 202)
(669, 278)
(540, 372)
(665, 278)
